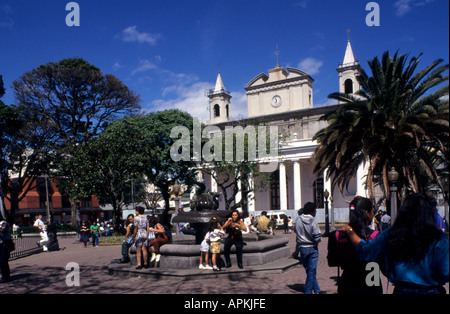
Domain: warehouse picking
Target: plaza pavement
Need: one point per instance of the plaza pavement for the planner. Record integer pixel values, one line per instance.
(46, 273)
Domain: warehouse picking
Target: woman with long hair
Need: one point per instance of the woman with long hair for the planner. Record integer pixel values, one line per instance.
(234, 227)
(342, 253)
(159, 240)
(413, 253)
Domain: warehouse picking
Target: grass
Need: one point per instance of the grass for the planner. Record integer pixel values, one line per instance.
(111, 240)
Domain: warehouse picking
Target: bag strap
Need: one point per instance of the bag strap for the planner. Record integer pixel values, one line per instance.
(373, 235)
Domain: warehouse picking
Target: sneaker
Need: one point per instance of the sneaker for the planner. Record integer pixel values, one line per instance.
(158, 257)
(215, 268)
(208, 267)
(201, 266)
(124, 261)
(153, 258)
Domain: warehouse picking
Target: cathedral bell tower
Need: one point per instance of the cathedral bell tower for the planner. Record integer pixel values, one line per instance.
(219, 102)
(348, 70)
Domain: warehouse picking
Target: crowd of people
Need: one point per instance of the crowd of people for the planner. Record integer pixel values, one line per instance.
(147, 235)
(412, 251)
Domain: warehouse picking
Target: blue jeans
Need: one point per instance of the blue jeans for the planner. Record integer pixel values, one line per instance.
(310, 257)
(95, 238)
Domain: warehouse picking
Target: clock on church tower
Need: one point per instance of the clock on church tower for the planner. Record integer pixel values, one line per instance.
(282, 90)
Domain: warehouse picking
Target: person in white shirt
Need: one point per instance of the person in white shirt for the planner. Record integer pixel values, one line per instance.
(213, 237)
(43, 233)
(248, 224)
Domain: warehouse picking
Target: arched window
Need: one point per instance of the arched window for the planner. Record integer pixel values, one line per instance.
(348, 86)
(216, 110)
(227, 111)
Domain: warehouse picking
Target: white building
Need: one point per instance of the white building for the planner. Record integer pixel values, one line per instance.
(284, 97)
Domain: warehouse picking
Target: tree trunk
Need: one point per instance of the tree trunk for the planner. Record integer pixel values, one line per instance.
(75, 213)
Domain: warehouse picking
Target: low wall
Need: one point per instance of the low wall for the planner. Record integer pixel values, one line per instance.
(257, 251)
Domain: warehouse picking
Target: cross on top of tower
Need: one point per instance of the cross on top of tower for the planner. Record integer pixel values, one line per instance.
(277, 53)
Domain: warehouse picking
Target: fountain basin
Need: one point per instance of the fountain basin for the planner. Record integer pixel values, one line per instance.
(259, 250)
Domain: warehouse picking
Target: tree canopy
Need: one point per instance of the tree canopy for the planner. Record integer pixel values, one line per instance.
(398, 119)
(74, 101)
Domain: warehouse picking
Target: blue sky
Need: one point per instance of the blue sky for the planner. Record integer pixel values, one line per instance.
(168, 51)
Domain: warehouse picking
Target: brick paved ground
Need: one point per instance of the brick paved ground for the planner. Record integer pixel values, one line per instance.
(45, 273)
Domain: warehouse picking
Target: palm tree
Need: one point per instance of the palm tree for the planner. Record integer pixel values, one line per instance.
(399, 118)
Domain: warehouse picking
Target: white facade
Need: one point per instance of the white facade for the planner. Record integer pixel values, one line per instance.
(284, 98)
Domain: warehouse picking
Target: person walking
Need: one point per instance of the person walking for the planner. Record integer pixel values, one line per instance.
(272, 225)
(413, 253)
(95, 233)
(308, 238)
(341, 252)
(234, 227)
(42, 232)
(6, 246)
(84, 233)
(140, 237)
(290, 224)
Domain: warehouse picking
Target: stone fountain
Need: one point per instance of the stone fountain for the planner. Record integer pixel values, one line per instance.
(203, 208)
(181, 257)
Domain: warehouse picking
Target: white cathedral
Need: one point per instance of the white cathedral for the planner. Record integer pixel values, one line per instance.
(284, 97)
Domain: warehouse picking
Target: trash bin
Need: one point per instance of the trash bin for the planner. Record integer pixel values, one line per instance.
(53, 244)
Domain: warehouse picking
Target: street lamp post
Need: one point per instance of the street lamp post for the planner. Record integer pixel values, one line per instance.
(332, 213)
(392, 178)
(326, 194)
(176, 190)
(446, 201)
(47, 198)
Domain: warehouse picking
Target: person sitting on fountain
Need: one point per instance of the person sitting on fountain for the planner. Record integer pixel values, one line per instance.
(262, 223)
(159, 240)
(234, 227)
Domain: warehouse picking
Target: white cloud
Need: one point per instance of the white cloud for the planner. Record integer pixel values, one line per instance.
(6, 20)
(191, 98)
(310, 65)
(117, 66)
(144, 66)
(301, 4)
(327, 102)
(403, 7)
(131, 34)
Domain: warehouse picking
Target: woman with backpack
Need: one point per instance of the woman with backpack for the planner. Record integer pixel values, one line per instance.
(341, 252)
(159, 238)
(413, 253)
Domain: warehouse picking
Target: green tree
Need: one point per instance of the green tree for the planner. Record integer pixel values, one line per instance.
(398, 119)
(107, 164)
(75, 101)
(23, 156)
(163, 168)
(235, 165)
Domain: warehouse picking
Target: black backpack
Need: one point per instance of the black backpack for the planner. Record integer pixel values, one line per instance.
(167, 232)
